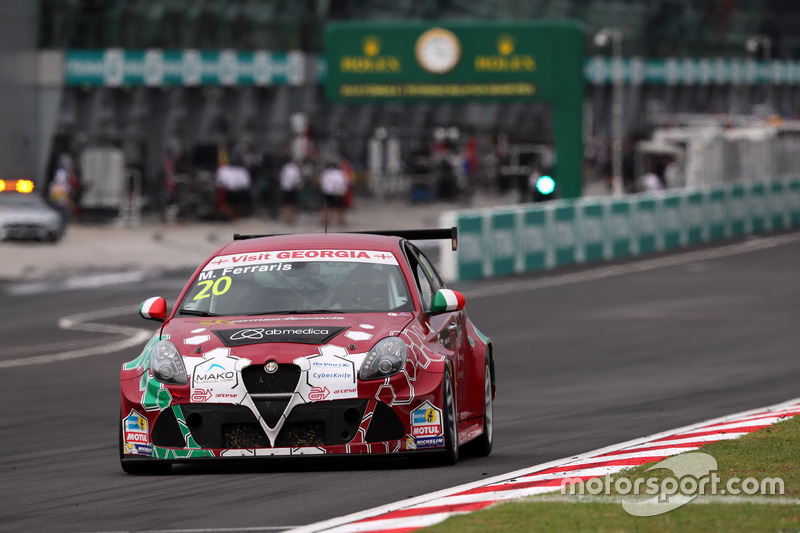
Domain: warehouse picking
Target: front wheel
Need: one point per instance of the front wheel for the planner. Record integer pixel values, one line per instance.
(450, 422)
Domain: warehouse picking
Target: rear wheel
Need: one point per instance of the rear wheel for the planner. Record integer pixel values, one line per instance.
(482, 446)
(450, 422)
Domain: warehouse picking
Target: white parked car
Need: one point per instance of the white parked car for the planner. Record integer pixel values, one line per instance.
(26, 216)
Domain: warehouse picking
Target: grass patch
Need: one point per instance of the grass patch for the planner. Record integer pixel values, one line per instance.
(530, 516)
(769, 453)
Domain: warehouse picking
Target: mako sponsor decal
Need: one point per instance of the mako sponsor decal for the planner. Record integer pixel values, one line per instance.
(135, 437)
(215, 377)
(293, 334)
(279, 258)
(216, 374)
(426, 426)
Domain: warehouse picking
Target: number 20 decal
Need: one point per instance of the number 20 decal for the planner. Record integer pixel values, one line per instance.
(216, 287)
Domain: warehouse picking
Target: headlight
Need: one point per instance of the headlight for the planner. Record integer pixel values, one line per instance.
(385, 359)
(166, 364)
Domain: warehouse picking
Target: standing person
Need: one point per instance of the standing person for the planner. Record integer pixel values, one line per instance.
(60, 192)
(333, 183)
(233, 191)
(290, 185)
(650, 181)
(170, 191)
(347, 168)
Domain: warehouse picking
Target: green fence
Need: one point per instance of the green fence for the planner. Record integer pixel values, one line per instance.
(514, 239)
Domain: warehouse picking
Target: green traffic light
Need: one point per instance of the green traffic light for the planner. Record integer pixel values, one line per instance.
(545, 185)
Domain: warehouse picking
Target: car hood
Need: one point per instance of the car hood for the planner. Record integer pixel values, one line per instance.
(282, 338)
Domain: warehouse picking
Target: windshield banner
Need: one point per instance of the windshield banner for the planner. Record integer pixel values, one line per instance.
(303, 256)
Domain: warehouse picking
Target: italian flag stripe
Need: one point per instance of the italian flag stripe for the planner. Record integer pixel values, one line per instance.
(150, 306)
(454, 299)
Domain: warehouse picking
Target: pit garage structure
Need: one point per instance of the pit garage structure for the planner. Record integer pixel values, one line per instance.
(447, 61)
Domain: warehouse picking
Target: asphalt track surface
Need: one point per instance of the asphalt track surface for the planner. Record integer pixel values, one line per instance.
(584, 362)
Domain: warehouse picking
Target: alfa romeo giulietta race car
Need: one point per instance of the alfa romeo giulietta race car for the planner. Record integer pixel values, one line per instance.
(314, 344)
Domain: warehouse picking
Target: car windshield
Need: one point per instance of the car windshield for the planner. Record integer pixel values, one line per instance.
(289, 282)
(19, 200)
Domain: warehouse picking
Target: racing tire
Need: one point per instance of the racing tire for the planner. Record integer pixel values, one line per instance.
(142, 466)
(482, 445)
(450, 422)
(53, 237)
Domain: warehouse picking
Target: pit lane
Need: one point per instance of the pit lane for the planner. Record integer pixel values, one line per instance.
(580, 365)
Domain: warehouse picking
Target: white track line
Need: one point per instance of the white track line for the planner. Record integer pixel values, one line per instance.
(85, 322)
(74, 283)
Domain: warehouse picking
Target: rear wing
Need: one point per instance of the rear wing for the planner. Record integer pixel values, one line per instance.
(408, 234)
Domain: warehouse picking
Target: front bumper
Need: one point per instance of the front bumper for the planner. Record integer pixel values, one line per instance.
(28, 231)
(158, 422)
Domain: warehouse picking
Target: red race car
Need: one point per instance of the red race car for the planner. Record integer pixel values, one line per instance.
(303, 345)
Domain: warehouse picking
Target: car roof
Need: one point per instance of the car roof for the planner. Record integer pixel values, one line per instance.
(301, 241)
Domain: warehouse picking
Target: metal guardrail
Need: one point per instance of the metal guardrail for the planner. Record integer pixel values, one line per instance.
(502, 241)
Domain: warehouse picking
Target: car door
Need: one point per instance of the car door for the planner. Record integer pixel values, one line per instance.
(447, 329)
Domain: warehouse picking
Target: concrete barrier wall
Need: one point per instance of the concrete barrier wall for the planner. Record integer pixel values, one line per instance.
(528, 237)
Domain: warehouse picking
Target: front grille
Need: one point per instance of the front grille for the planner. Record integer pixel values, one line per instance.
(337, 422)
(313, 424)
(258, 381)
(301, 434)
(291, 436)
(24, 231)
(243, 436)
(207, 424)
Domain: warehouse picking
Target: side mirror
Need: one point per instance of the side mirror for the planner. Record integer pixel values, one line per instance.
(446, 300)
(154, 309)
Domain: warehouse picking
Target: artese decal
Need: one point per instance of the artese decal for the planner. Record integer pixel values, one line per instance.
(135, 437)
(294, 334)
(426, 426)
